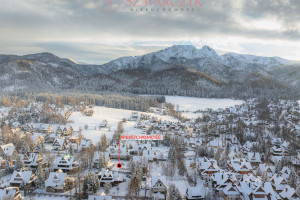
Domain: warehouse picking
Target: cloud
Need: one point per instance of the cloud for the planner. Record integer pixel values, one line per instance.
(79, 30)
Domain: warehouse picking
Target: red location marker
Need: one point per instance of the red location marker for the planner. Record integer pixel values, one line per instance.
(119, 165)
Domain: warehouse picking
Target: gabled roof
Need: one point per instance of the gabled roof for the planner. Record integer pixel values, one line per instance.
(56, 179)
(155, 179)
(31, 157)
(279, 182)
(60, 141)
(24, 175)
(231, 189)
(8, 149)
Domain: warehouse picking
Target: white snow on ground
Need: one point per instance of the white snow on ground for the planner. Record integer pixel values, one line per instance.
(113, 117)
(299, 102)
(193, 104)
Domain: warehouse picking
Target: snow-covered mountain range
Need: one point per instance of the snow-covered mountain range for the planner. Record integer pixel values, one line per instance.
(189, 52)
(179, 69)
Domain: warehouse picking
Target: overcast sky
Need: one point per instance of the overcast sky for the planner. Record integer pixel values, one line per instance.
(80, 30)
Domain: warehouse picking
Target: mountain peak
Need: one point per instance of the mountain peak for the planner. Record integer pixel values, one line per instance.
(186, 52)
(207, 51)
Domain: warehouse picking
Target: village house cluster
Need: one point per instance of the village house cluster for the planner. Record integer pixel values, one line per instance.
(250, 151)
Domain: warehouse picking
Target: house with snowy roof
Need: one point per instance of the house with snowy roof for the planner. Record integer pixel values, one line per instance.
(60, 143)
(85, 144)
(31, 160)
(221, 178)
(158, 184)
(254, 158)
(269, 169)
(66, 164)
(114, 152)
(22, 177)
(195, 193)
(108, 176)
(207, 167)
(8, 151)
(231, 191)
(64, 130)
(257, 190)
(240, 166)
(59, 182)
(278, 183)
(139, 148)
(12, 193)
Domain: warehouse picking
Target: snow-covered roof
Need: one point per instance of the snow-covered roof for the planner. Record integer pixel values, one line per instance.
(240, 165)
(20, 177)
(65, 162)
(278, 182)
(59, 141)
(254, 157)
(56, 179)
(231, 189)
(8, 149)
(31, 159)
(161, 179)
(196, 192)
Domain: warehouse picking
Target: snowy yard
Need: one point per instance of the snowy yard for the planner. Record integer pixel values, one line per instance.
(113, 117)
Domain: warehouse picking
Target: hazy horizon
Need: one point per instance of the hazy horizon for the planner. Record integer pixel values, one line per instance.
(80, 30)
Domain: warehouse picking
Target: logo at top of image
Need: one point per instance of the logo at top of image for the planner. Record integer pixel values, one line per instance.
(111, 6)
(108, 6)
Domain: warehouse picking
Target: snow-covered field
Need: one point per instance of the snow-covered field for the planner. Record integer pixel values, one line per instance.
(299, 102)
(187, 104)
(113, 117)
(193, 104)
